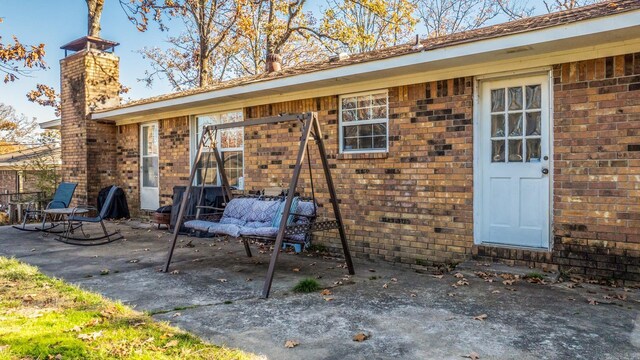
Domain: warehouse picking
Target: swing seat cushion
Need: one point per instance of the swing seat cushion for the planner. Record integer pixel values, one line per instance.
(266, 231)
(262, 211)
(213, 227)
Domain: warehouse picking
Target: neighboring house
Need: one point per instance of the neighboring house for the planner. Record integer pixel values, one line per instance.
(20, 172)
(517, 142)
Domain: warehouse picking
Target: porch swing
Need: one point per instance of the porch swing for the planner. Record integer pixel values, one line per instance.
(263, 218)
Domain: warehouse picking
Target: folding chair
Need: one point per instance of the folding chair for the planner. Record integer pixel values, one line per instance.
(61, 200)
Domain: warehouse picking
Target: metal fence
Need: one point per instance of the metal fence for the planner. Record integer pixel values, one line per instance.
(13, 205)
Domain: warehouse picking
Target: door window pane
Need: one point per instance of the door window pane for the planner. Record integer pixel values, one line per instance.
(515, 150)
(515, 98)
(150, 171)
(534, 123)
(497, 125)
(515, 124)
(497, 151)
(534, 96)
(533, 150)
(497, 100)
(149, 140)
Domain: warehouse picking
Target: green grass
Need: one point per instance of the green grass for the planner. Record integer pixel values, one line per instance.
(534, 275)
(41, 318)
(307, 286)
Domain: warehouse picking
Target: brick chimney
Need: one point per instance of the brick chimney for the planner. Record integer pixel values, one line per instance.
(274, 62)
(89, 80)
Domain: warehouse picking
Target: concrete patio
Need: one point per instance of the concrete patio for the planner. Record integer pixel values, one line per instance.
(409, 315)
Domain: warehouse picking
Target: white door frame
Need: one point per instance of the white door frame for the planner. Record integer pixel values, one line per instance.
(477, 153)
(157, 193)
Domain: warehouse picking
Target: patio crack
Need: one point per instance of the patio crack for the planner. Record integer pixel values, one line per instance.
(195, 306)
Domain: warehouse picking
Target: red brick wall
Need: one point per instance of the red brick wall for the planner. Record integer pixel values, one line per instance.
(128, 164)
(174, 156)
(8, 181)
(411, 205)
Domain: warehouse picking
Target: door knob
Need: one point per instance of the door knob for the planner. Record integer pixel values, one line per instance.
(545, 171)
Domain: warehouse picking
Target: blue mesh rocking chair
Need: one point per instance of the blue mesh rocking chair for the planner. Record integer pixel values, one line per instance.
(76, 221)
(61, 199)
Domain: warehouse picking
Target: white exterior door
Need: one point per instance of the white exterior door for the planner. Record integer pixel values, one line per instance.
(514, 165)
(149, 193)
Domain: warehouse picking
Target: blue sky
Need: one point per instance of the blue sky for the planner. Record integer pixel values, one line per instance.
(57, 22)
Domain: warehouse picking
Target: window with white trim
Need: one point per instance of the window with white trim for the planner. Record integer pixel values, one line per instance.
(364, 122)
(230, 145)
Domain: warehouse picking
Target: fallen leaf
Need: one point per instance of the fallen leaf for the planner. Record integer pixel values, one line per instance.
(29, 297)
(171, 343)
(175, 272)
(472, 355)
(295, 270)
(32, 250)
(458, 275)
(76, 329)
(451, 294)
(413, 295)
(176, 314)
(91, 336)
(222, 280)
(360, 337)
(3, 347)
(622, 297)
(508, 282)
(481, 317)
(291, 344)
(104, 272)
(93, 322)
(248, 279)
(495, 292)
(325, 292)
(328, 299)
(394, 280)
(438, 276)
(592, 301)
(385, 286)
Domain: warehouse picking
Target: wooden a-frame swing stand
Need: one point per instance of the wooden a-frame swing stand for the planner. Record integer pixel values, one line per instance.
(310, 129)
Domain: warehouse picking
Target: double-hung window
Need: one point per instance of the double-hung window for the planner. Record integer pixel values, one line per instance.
(230, 145)
(364, 122)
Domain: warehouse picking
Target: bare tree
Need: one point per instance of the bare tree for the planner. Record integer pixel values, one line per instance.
(209, 24)
(360, 25)
(94, 12)
(442, 17)
(559, 5)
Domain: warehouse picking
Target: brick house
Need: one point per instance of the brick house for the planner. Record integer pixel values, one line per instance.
(517, 142)
(18, 172)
